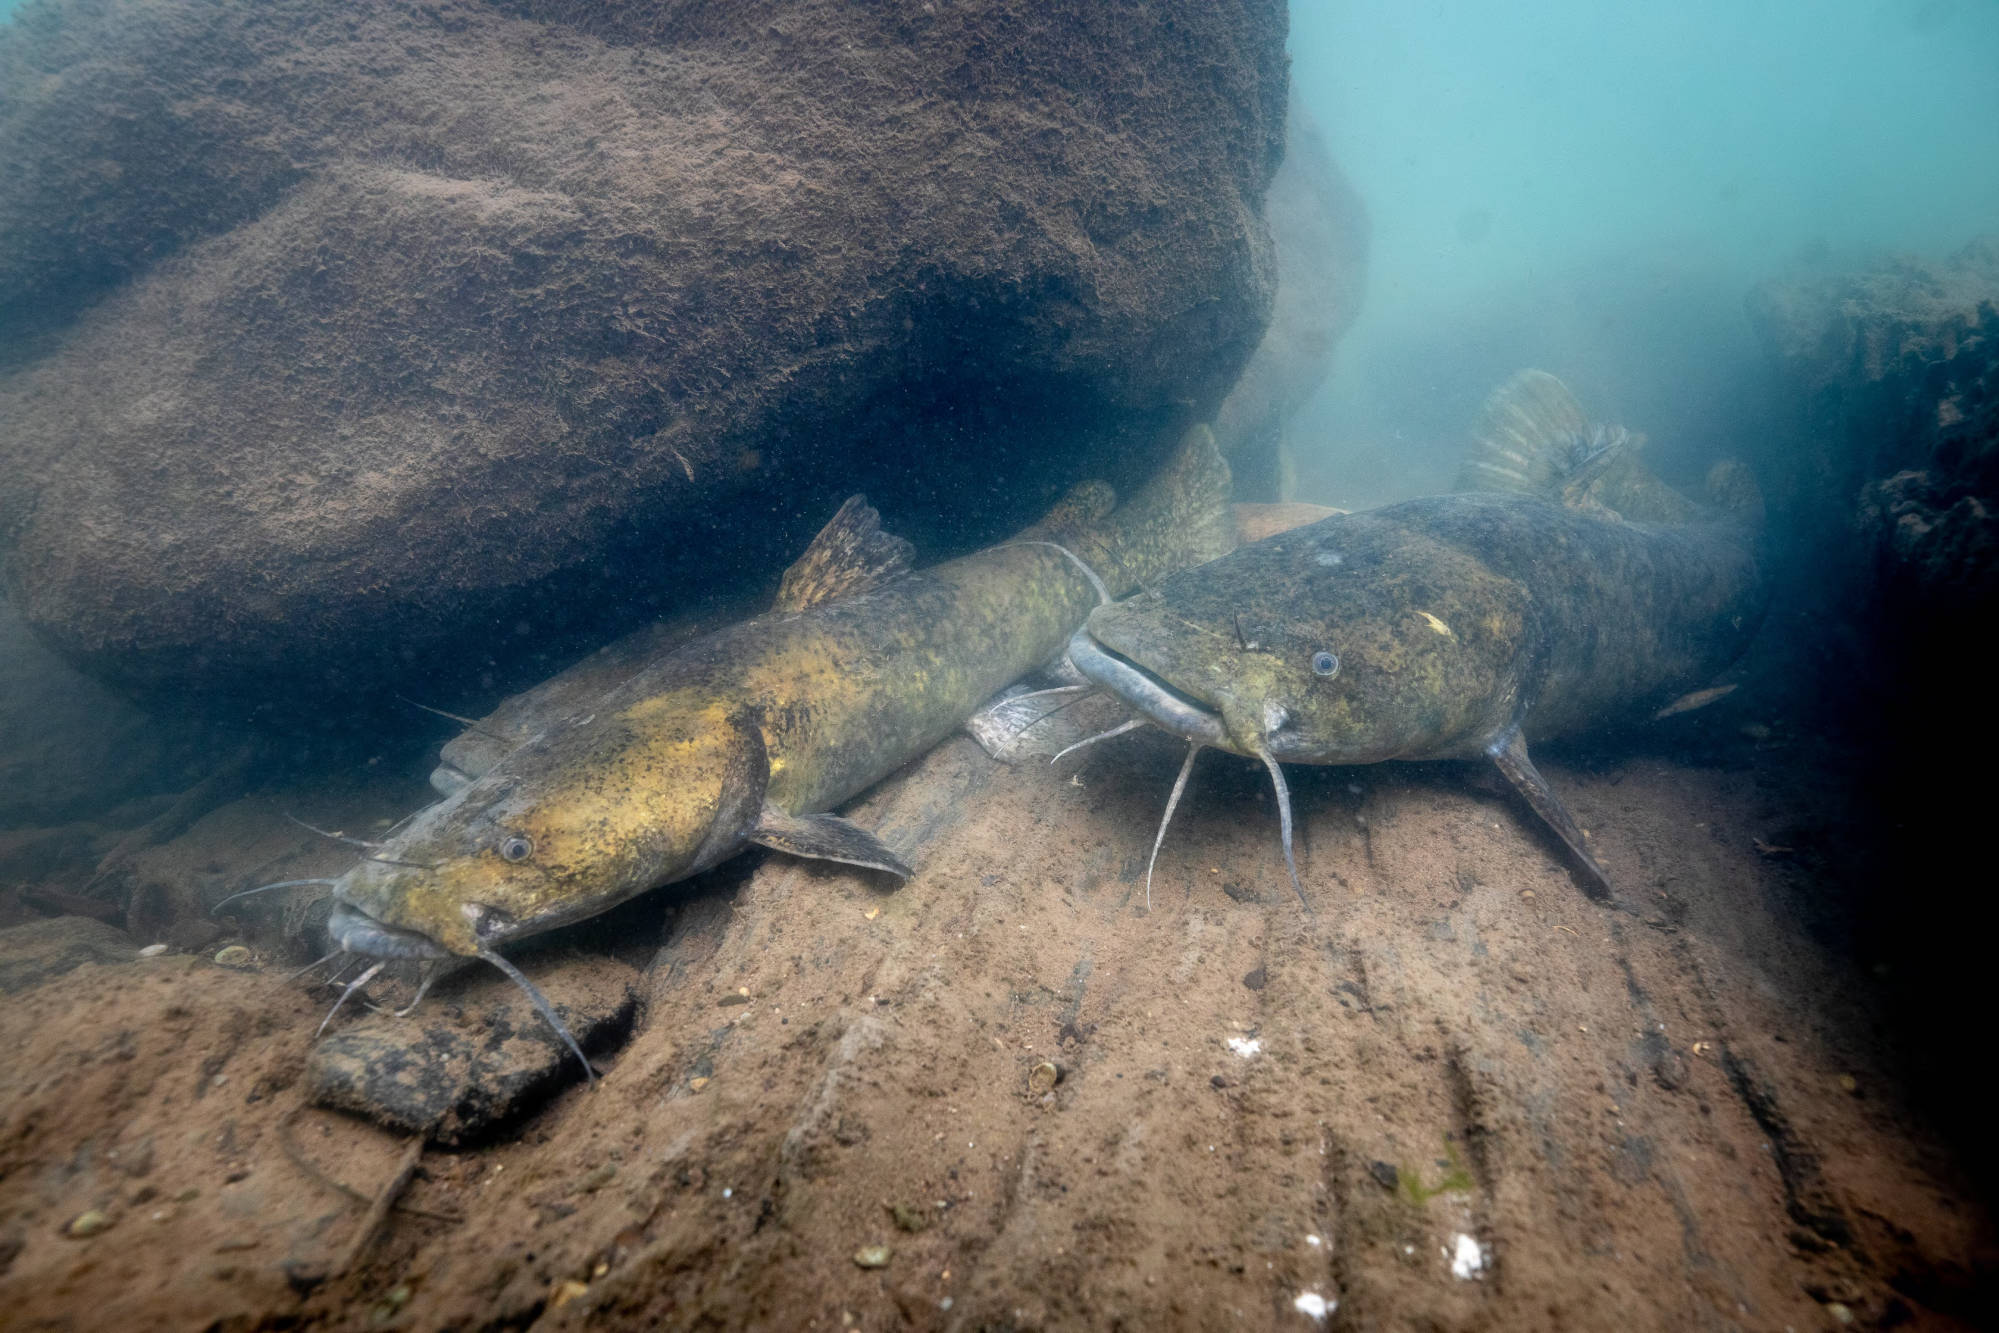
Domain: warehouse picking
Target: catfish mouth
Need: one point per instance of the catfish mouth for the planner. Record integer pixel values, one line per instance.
(356, 932)
(1179, 713)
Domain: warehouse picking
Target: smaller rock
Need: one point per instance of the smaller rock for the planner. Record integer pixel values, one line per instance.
(42, 950)
(873, 1256)
(87, 1224)
(392, 1302)
(152, 951)
(1385, 1174)
(566, 1292)
(236, 956)
(1043, 1077)
(466, 1079)
(907, 1218)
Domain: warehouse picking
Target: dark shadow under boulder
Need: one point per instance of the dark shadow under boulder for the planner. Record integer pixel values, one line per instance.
(476, 326)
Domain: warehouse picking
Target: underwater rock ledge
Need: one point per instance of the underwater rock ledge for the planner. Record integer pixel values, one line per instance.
(400, 329)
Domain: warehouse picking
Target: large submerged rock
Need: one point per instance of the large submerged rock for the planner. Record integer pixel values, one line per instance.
(352, 341)
(1895, 373)
(1319, 227)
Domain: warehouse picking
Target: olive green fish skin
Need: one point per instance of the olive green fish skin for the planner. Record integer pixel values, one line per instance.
(1453, 618)
(738, 735)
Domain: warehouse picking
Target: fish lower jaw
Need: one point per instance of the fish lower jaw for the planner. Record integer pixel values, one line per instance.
(1148, 694)
(359, 933)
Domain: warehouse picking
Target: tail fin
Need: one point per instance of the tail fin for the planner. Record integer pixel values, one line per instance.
(1180, 518)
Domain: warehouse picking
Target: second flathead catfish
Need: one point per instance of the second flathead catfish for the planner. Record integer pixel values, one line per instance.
(1570, 590)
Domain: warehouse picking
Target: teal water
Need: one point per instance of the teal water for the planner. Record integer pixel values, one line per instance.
(1601, 183)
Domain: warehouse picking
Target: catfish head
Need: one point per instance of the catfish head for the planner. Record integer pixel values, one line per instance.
(566, 826)
(1348, 641)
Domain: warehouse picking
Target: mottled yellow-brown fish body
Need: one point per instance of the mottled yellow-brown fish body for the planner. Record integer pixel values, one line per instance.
(751, 733)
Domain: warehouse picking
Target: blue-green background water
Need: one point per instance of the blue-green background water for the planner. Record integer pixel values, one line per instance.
(1596, 186)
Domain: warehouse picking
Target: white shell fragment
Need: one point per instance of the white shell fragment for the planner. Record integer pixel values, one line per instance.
(1313, 1305)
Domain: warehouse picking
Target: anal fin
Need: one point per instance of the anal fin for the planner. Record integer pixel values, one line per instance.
(825, 838)
(1509, 753)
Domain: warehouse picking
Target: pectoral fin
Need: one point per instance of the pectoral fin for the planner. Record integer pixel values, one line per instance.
(825, 838)
(1509, 752)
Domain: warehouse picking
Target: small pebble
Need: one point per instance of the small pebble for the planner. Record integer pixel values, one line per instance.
(568, 1292)
(696, 1084)
(1848, 1083)
(152, 951)
(87, 1224)
(1043, 1077)
(1840, 1313)
(872, 1256)
(234, 956)
(391, 1304)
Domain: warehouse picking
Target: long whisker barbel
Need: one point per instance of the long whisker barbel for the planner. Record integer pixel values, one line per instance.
(1104, 597)
(1284, 820)
(470, 724)
(266, 888)
(422, 989)
(392, 861)
(316, 964)
(1119, 730)
(542, 1007)
(348, 993)
(1172, 803)
(337, 837)
(1086, 692)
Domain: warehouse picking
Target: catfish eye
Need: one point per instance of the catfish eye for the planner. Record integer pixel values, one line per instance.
(1325, 663)
(515, 847)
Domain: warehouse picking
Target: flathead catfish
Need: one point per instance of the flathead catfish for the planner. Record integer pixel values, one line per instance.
(1575, 590)
(752, 733)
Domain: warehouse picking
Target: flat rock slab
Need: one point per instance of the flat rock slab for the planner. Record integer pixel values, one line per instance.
(42, 950)
(478, 1059)
(1456, 1096)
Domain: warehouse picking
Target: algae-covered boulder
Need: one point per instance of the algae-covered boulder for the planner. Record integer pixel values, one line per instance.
(1892, 370)
(353, 342)
(1319, 227)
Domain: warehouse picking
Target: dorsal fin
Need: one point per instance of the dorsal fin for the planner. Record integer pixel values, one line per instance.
(1532, 436)
(850, 553)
